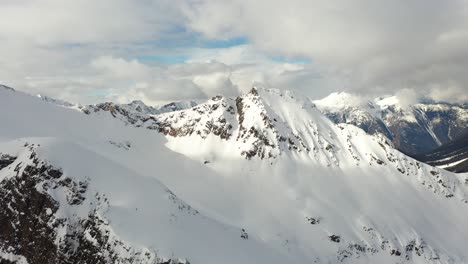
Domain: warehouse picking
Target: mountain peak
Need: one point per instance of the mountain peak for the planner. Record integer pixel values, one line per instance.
(254, 90)
(389, 101)
(137, 102)
(263, 123)
(141, 107)
(339, 100)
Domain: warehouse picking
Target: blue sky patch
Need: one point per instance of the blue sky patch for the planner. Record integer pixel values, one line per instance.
(163, 59)
(222, 44)
(291, 60)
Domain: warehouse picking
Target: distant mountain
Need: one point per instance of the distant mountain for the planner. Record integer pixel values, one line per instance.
(55, 101)
(136, 107)
(413, 129)
(136, 111)
(141, 107)
(452, 156)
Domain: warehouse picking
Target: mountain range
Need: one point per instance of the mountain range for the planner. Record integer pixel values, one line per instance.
(414, 129)
(264, 177)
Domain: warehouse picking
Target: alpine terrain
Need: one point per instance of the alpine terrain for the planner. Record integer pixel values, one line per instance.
(414, 129)
(452, 156)
(264, 177)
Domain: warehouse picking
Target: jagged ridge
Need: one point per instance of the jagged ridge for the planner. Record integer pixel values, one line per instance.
(414, 129)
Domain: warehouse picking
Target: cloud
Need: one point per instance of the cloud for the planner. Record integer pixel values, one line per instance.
(161, 90)
(125, 80)
(447, 93)
(54, 22)
(386, 44)
(46, 46)
(121, 68)
(89, 51)
(241, 54)
(186, 81)
(407, 97)
(131, 80)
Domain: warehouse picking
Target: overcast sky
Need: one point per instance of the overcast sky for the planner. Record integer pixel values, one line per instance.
(89, 51)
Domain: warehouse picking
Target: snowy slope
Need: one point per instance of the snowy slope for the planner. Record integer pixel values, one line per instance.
(269, 179)
(414, 129)
(91, 199)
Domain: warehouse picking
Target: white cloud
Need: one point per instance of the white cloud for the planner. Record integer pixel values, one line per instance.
(120, 68)
(50, 22)
(46, 46)
(391, 44)
(157, 84)
(241, 54)
(407, 97)
(130, 79)
(89, 51)
(449, 93)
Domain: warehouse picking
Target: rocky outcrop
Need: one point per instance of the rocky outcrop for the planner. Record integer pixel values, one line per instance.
(213, 117)
(33, 230)
(136, 112)
(246, 119)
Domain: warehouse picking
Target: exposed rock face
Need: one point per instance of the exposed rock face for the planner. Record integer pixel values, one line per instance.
(433, 126)
(414, 129)
(33, 231)
(217, 117)
(137, 109)
(141, 107)
(26, 213)
(247, 119)
(250, 121)
(362, 119)
(6, 160)
(415, 250)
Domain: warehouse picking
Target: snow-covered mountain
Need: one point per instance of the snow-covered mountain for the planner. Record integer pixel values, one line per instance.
(56, 101)
(141, 107)
(261, 178)
(81, 189)
(136, 106)
(413, 129)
